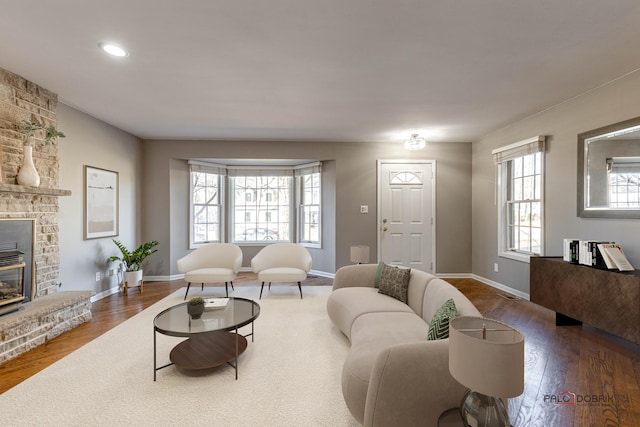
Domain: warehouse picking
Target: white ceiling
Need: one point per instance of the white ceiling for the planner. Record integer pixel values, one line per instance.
(331, 70)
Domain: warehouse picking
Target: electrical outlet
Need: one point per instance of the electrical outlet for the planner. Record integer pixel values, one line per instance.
(495, 267)
(364, 209)
(111, 272)
(97, 276)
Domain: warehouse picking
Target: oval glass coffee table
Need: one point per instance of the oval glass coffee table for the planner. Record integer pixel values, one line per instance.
(213, 338)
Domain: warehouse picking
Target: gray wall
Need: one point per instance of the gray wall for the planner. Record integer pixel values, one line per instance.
(350, 181)
(615, 102)
(92, 142)
(154, 198)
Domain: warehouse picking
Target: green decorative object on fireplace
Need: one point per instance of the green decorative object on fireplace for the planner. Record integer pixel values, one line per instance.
(30, 127)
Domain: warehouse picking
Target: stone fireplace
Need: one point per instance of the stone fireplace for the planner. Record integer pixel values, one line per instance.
(22, 100)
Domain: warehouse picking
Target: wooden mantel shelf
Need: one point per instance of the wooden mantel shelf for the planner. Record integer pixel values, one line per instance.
(23, 189)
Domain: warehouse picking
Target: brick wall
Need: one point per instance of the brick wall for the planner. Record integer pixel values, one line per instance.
(21, 100)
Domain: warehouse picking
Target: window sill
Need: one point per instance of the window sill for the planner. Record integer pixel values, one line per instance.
(260, 243)
(516, 256)
(311, 245)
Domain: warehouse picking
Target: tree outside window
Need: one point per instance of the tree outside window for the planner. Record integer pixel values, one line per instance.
(205, 190)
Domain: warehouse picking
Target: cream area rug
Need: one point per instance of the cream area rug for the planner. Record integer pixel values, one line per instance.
(289, 376)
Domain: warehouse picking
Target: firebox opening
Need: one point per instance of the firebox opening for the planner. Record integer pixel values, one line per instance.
(16, 263)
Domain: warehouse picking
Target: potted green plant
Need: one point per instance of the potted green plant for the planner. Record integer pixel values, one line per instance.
(195, 307)
(28, 175)
(132, 260)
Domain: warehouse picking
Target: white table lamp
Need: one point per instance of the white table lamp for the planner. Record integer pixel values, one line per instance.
(360, 254)
(487, 356)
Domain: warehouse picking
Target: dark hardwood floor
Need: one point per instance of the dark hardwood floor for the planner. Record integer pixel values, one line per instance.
(602, 371)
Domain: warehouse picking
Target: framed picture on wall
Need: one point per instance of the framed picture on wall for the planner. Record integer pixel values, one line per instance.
(100, 203)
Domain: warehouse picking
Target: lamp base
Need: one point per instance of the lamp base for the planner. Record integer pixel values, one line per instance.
(479, 410)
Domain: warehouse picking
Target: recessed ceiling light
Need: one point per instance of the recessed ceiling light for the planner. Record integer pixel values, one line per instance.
(113, 49)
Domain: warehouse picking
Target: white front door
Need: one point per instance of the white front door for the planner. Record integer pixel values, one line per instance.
(406, 213)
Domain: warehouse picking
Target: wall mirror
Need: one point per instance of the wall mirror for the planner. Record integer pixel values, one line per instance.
(609, 171)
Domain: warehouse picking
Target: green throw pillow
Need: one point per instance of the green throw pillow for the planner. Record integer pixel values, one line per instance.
(439, 326)
(394, 281)
(376, 279)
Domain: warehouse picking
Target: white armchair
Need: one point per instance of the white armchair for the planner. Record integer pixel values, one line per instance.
(282, 262)
(213, 263)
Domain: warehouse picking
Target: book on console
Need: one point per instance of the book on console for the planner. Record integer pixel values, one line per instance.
(585, 257)
(614, 252)
(215, 303)
(570, 250)
(610, 263)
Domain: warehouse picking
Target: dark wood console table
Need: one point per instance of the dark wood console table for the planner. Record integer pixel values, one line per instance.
(606, 299)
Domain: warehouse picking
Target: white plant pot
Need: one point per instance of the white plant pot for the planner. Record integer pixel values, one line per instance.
(28, 174)
(133, 277)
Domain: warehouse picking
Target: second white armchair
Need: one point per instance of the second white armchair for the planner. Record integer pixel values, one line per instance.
(282, 262)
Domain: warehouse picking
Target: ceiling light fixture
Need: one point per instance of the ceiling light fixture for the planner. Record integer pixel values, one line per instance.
(414, 143)
(113, 49)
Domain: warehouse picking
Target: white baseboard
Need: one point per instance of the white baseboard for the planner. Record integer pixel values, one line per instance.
(105, 294)
(502, 287)
(163, 278)
(455, 275)
(323, 274)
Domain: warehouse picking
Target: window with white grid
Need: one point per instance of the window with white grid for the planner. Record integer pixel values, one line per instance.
(263, 204)
(309, 206)
(206, 204)
(624, 182)
(520, 198)
(261, 207)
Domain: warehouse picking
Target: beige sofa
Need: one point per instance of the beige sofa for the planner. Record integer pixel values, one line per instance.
(392, 375)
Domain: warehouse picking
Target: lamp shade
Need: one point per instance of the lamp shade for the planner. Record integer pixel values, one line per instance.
(360, 254)
(494, 365)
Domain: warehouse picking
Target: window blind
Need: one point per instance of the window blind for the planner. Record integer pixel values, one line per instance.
(258, 171)
(623, 165)
(198, 166)
(308, 169)
(519, 149)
